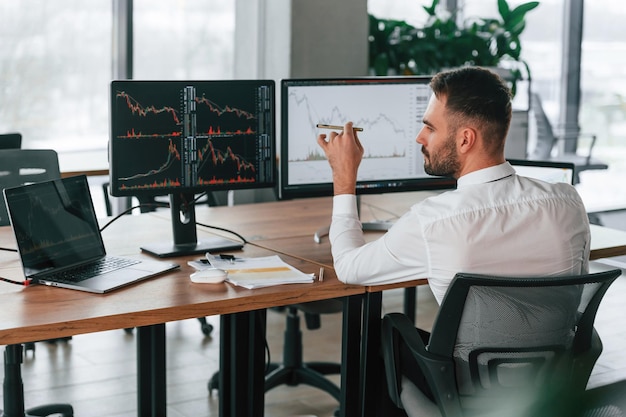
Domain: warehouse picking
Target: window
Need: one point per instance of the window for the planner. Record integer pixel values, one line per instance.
(56, 61)
(183, 40)
(55, 64)
(603, 81)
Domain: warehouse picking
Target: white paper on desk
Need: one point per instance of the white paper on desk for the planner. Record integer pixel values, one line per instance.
(260, 272)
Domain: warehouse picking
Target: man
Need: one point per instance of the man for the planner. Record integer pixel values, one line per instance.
(495, 222)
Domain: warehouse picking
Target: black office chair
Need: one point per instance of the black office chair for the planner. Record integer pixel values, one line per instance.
(500, 346)
(293, 370)
(18, 167)
(23, 166)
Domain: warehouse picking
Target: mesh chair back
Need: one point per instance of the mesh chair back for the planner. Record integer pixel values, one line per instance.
(545, 135)
(527, 339)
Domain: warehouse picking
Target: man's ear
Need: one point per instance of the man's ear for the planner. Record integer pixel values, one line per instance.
(467, 138)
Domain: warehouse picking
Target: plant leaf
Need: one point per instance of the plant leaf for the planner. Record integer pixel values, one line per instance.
(503, 8)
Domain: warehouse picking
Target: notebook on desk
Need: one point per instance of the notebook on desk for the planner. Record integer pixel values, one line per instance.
(59, 241)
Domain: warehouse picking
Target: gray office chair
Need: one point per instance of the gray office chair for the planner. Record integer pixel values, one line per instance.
(18, 167)
(10, 141)
(500, 346)
(23, 166)
(548, 142)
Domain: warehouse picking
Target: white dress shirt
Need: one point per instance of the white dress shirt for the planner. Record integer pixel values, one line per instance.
(495, 222)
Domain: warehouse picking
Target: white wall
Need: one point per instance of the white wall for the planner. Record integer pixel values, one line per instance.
(276, 39)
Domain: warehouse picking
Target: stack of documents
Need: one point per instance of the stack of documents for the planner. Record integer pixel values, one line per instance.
(259, 272)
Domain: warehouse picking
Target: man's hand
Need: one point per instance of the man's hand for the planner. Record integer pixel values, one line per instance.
(344, 153)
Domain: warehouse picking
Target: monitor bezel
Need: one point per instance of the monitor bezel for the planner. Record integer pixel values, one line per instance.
(272, 182)
(287, 191)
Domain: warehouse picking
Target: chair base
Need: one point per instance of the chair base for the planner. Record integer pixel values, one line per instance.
(311, 373)
(65, 410)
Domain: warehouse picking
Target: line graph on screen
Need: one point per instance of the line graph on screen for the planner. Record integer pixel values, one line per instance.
(390, 115)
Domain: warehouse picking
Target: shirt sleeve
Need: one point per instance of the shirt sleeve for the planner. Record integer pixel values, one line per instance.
(358, 262)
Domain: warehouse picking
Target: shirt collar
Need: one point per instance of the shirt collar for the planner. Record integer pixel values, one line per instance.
(494, 173)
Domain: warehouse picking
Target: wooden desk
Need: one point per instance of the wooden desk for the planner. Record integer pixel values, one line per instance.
(89, 162)
(38, 312)
(41, 312)
(283, 228)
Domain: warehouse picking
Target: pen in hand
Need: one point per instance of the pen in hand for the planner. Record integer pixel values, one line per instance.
(335, 127)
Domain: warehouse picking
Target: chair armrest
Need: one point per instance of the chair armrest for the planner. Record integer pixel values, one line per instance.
(438, 371)
(593, 138)
(584, 363)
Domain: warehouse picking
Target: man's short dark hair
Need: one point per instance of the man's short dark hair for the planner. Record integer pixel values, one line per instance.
(475, 94)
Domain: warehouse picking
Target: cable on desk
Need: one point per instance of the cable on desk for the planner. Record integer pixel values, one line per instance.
(243, 239)
(25, 283)
(158, 204)
(128, 210)
(195, 201)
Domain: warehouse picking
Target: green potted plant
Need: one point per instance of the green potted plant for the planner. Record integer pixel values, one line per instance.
(398, 47)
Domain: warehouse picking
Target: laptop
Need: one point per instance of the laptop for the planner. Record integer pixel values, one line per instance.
(59, 241)
(547, 171)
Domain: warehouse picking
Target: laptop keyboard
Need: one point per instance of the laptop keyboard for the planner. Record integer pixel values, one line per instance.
(84, 272)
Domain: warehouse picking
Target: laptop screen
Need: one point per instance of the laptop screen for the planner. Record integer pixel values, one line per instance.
(54, 223)
(547, 171)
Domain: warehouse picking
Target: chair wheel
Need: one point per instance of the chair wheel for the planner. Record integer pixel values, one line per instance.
(214, 383)
(206, 328)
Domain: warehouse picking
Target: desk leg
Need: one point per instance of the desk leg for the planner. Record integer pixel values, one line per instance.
(242, 364)
(13, 387)
(372, 366)
(410, 302)
(350, 369)
(151, 382)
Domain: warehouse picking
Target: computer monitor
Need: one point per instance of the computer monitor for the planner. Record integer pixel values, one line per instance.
(389, 109)
(183, 138)
(390, 112)
(548, 171)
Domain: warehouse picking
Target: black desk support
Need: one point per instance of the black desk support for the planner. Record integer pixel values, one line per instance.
(151, 371)
(242, 364)
(242, 361)
(13, 386)
(13, 389)
(350, 356)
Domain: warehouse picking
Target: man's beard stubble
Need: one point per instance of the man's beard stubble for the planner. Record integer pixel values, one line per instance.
(445, 163)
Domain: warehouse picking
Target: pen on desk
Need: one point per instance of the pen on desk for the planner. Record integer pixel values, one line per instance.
(321, 278)
(335, 127)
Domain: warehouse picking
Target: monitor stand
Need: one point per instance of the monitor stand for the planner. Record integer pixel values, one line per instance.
(185, 237)
(368, 226)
